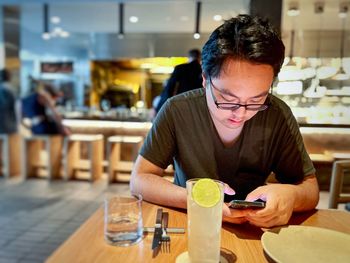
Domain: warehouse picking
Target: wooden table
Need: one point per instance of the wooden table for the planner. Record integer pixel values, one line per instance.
(242, 242)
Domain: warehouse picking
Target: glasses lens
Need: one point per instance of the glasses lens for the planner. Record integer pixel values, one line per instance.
(258, 107)
(232, 106)
(228, 106)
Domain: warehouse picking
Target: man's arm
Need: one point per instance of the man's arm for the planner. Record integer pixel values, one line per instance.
(48, 102)
(146, 180)
(307, 194)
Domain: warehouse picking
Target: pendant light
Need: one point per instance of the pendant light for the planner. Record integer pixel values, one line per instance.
(291, 71)
(121, 21)
(341, 74)
(196, 34)
(322, 71)
(46, 32)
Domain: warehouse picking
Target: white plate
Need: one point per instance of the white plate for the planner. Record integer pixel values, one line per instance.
(306, 244)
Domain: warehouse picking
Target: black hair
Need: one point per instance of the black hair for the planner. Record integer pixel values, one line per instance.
(51, 90)
(194, 53)
(246, 38)
(5, 75)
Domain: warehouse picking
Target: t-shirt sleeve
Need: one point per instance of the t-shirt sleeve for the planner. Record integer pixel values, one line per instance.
(293, 163)
(159, 146)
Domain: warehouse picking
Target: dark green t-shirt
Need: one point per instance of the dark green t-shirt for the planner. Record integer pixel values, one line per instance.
(184, 134)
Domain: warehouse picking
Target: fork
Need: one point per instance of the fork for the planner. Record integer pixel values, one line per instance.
(165, 240)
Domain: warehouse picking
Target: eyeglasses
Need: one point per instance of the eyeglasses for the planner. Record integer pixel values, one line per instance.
(235, 106)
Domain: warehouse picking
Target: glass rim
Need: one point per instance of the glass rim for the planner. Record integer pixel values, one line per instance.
(129, 199)
(198, 178)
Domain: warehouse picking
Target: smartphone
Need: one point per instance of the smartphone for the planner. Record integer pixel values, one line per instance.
(241, 204)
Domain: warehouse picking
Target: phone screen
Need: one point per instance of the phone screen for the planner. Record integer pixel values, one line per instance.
(241, 204)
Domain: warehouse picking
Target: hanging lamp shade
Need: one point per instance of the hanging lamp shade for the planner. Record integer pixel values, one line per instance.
(121, 21)
(46, 32)
(341, 73)
(290, 70)
(196, 34)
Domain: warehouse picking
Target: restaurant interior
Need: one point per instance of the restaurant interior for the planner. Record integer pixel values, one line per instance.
(110, 60)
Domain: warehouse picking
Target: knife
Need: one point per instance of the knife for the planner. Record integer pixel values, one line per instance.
(157, 236)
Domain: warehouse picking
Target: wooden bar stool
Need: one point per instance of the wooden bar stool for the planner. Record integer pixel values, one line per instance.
(74, 161)
(9, 153)
(122, 161)
(336, 195)
(42, 156)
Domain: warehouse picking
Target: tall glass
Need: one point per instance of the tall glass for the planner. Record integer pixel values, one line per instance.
(204, 227)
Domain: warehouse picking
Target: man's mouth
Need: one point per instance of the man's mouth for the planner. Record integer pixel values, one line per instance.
(235, 121)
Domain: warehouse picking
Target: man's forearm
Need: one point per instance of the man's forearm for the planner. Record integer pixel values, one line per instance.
(307, 194)
(156, 189)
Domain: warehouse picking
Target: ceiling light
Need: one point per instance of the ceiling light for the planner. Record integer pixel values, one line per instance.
(64, 34)
(133, 19)
(343, 10)
(55, 19)
(121, 21)
(46, 34)
(341, 74)
(217, 18)
(293, 12)
(293, 9)
(198, 16)
(184, 18)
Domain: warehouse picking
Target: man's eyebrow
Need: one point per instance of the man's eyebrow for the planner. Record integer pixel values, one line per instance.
(227, 92)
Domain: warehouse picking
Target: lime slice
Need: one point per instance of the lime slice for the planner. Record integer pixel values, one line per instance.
(206, 192)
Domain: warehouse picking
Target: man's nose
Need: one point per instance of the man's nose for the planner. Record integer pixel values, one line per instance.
(240, 112)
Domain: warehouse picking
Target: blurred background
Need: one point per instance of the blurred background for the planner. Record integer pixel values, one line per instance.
(122, 52)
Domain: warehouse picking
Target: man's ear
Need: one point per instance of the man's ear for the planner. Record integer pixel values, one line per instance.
(204, 80)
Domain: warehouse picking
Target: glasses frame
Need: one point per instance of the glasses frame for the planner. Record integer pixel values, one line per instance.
(235, 106)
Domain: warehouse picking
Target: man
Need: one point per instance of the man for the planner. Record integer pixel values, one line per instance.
(39, 111)
(8, 112)
(233, 130)
(185, 77)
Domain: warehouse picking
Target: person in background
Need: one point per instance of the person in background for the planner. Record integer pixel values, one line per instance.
(39, 113)
(185, 77)
(8, 116)
(232, 130)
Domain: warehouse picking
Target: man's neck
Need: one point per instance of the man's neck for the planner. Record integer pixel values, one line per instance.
(228, 136)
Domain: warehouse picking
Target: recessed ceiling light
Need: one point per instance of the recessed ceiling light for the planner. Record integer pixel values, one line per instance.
(184, 18)
(55, 19)
(217, 18)
(64, 34)
(133, 19)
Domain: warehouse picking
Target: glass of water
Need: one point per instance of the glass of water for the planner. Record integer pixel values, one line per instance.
(123, 220)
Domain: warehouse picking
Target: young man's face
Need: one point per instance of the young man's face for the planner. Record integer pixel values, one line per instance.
(239, 82)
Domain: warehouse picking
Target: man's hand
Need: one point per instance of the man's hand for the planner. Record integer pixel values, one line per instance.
(280, 199)
(234, 216)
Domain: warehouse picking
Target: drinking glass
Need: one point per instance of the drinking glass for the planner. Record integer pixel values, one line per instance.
(204, 228)
(123, 220)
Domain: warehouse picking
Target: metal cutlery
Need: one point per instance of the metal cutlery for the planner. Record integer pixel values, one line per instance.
(157, 236)
(165, 240)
